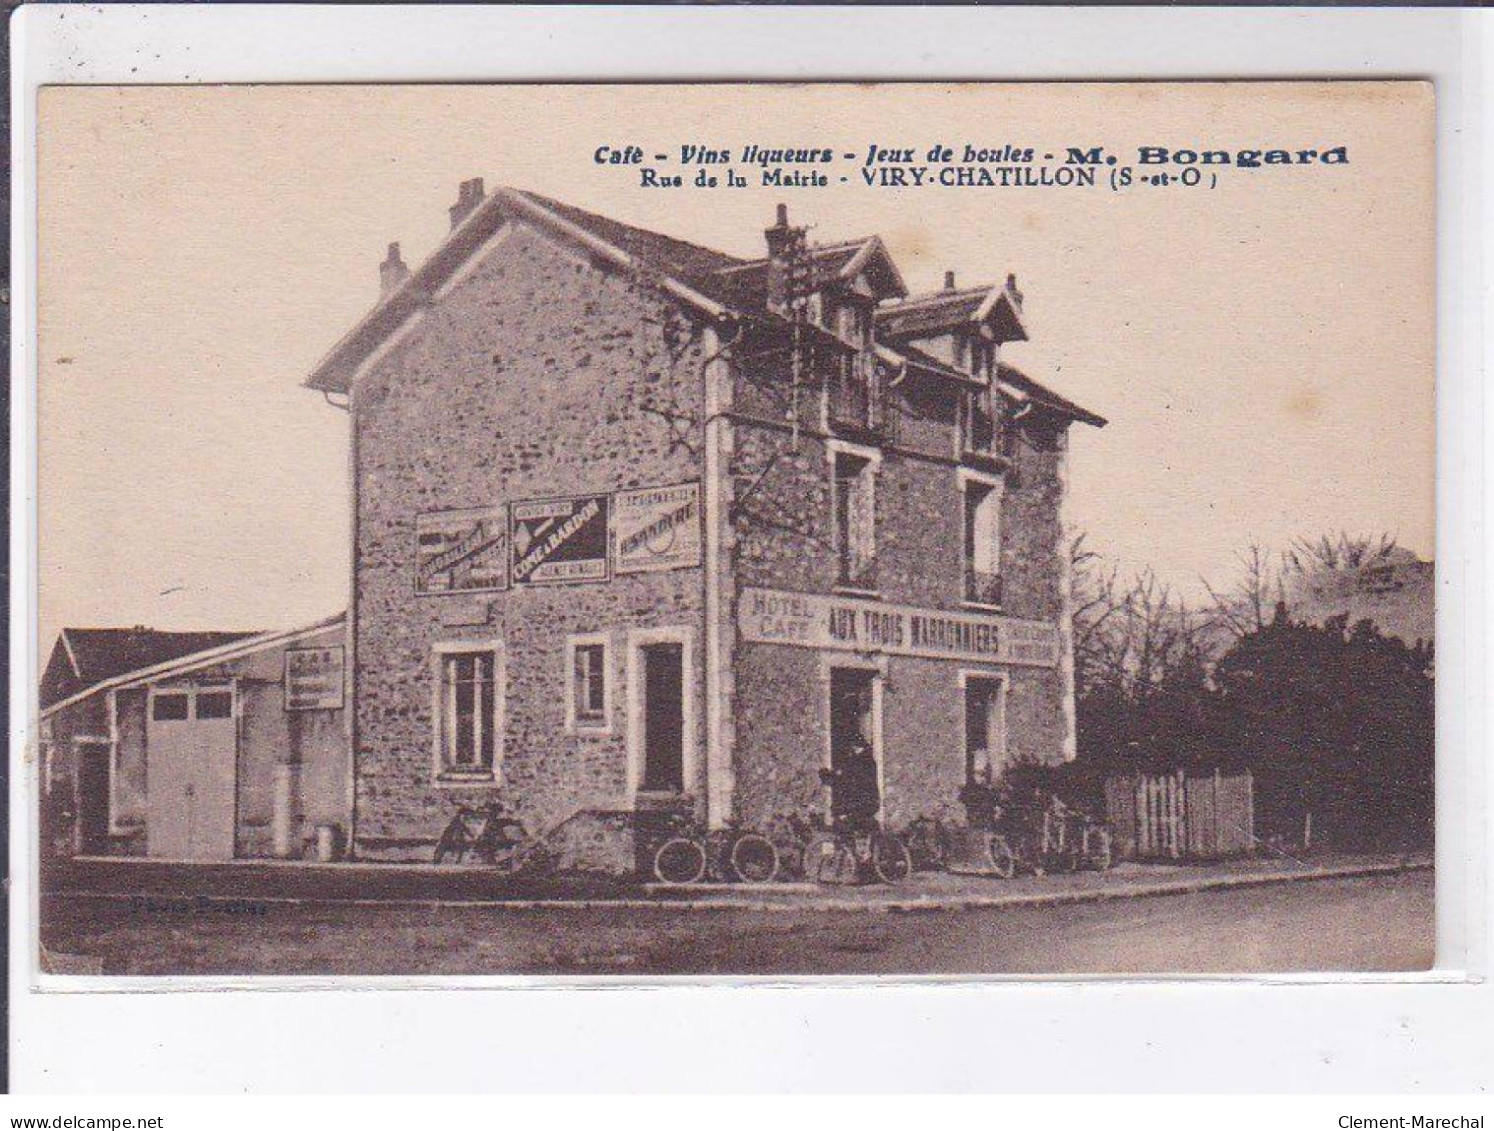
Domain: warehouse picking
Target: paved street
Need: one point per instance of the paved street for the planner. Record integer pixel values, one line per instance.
(1367, 923)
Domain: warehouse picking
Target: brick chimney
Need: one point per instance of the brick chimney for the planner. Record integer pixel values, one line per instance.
(949, 283)
(1011, 285)
(785, 254)
(392, 272)
(777, 236)
(469, 196)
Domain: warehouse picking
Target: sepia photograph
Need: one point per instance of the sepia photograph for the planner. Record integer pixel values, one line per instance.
(784, 530)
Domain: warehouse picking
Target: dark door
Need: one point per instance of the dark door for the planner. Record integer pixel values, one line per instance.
(93, 799)
(851, 729)
(663, 718)
(984, 726)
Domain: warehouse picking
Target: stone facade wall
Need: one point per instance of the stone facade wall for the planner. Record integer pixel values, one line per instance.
(537, 375)
(782, 537)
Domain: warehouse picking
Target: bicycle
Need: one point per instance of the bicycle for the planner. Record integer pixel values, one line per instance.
(962, 849)
(490, 834)
(790, 834)
(930, 843)
(840, 856)
(733, 855)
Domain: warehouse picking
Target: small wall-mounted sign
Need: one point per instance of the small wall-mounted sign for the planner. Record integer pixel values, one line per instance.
(314, 679)
(461, 551)
(559, 541)
(656, 528)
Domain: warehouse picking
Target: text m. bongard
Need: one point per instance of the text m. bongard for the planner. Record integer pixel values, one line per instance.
(818, 621)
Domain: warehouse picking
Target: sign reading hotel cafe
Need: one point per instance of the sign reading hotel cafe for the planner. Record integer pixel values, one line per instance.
(815, 620)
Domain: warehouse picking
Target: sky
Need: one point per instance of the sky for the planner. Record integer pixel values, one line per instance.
(1263, 350)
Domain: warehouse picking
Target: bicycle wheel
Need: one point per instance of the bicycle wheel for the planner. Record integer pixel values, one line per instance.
(454, 843)
(754, 860)
(681, 860)
(1000, 857)
(825, 859)
(1099, 851)
(890, 859)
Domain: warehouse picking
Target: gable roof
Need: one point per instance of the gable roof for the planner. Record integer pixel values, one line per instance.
(938, 312)
(716, 285)
(745, 284)
(679, 257)
(675, 261)
(92, 655)
(87, 660)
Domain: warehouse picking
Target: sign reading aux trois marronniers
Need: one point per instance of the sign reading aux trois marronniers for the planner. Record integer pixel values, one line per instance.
(814, 620)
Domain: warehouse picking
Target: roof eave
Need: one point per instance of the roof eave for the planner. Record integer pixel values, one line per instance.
(232, 650)
(1014, 380)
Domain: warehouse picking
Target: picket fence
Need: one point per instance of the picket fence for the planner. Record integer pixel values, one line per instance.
(1181, 816)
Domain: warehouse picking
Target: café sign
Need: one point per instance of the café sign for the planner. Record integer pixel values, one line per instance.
(848, 624)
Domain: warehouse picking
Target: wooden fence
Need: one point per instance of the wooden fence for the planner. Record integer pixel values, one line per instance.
(1181, 816)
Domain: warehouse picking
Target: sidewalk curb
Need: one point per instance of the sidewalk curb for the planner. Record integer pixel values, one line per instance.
(913, 905)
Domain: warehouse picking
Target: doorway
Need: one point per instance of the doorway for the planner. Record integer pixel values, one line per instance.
(985, 727)
(192, 767)
(853, 727)
(663, 717)
(93, 797)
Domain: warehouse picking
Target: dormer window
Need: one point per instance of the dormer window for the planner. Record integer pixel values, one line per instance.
(853, 324)
(979, 422)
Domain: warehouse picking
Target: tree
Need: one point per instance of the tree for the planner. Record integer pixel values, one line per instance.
(1141, 675)
(1247, 607)
(1335, 722)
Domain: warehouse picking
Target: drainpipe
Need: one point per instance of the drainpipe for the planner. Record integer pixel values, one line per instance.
(720, 769)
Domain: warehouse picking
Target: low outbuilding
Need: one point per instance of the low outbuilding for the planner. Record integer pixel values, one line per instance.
(195, 746)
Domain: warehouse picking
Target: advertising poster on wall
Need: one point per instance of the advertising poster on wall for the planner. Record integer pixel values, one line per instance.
(560, 541)
(461, 551)
(657, 528)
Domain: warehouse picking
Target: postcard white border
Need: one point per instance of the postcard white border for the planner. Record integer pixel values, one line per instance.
(1315, 1033)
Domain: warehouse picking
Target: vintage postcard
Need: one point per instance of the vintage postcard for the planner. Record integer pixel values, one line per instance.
(662, 530)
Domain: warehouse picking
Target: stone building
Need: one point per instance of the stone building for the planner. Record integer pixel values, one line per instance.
(641, 525)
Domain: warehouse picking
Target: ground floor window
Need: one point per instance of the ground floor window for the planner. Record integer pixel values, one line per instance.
(467, 712)
(589, 706)
(985, 726)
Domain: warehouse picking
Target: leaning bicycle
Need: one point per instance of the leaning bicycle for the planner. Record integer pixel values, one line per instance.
(731, 855)
(841, 856)
(488, 834)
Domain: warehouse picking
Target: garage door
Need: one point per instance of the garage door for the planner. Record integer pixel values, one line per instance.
(191, 759)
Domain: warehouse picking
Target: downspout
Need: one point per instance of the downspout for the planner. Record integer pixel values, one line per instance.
(1066, 683)
(350, 621)
(720, 768)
